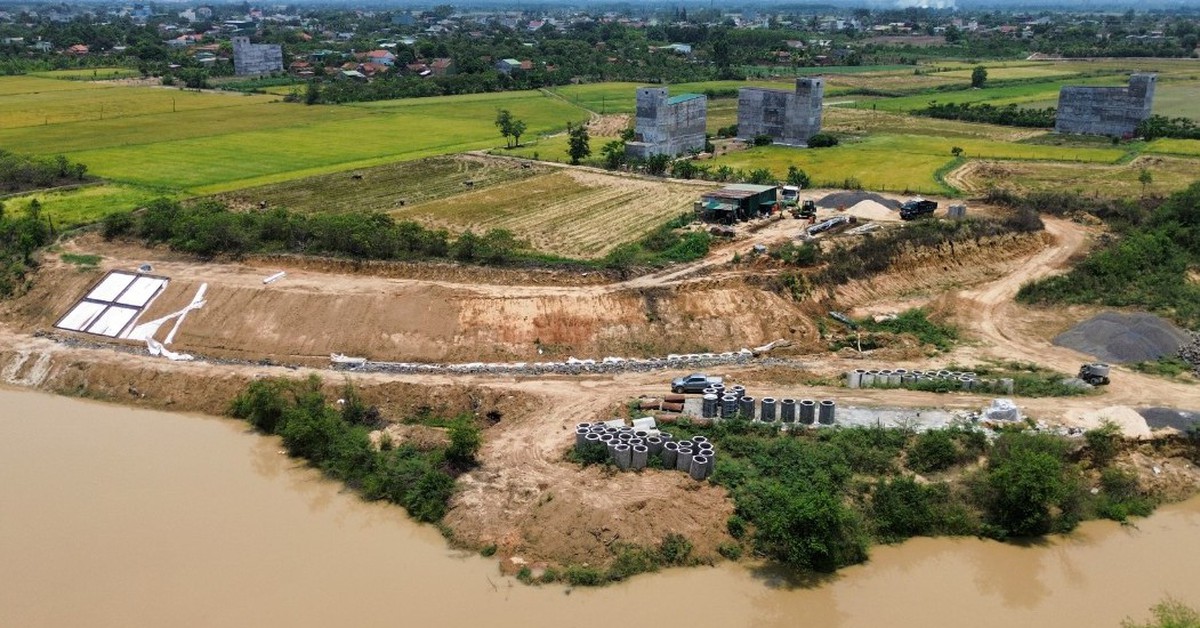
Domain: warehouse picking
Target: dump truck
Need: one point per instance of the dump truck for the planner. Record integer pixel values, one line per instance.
(916, 208)
(1095, 373)
(789, 195)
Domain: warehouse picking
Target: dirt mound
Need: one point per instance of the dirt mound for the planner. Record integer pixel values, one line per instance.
(1158, 418)
(870, 210)
(850, 199)
(1119, 337)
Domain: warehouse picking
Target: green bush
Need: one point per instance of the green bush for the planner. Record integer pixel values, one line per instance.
(675, 549)
(465, 440)
(732, 551)
(581, 576)
(1028, 479)
(822, 140)
(933, 451)
(1103, 443)
(630, 561)
(1121, 497)
(901, 508)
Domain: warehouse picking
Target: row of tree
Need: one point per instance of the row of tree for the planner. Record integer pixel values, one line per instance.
(1008, 115)
(23, 172)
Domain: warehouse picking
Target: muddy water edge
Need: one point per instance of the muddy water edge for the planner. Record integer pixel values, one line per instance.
(111, 516)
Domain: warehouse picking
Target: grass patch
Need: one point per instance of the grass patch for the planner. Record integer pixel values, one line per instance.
(89, 74)
(87, 204)
(916, 323)
(85, 261)
(1166, 366)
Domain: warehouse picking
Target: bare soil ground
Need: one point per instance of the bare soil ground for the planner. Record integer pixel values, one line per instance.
(524, 497)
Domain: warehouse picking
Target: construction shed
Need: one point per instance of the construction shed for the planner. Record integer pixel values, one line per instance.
(741, 201)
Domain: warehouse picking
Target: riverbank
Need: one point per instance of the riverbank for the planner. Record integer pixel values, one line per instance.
(226, 531)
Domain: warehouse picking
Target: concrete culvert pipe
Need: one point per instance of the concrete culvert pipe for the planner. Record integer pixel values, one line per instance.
(854, 378)
(606, 438)
(640, 433)
(640, 454)
(699, 468)
(712, 460)
(746, 407)
(666, 436)
(1006, 385)
(787, 410)
(718, 389)
(593, 440)
(685, 444)
(896, 378)
(867, 380)
(827, 411)
(739, 390)
(612, 449)
(908, 379)
(634, 442)
(623, 456)
(808, 411)
(655, 444)
(729, 405)
(884, 378)
(581, 434)
(965, 382)
(698, 440)
(709, 391)
(670, 454)
(767, 413)
(585, 426)
(624, 436)
(683, 460)
(708, 406)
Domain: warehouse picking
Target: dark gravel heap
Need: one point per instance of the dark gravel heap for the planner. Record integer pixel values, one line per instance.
(1190, 353)
(1158, 418)
(850, 199)
(1120, 337)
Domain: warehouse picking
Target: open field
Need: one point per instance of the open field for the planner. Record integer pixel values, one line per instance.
(1174, 147)
(91, 101)
(568, 212)
(1010, 94)
(83, 205)
(205, 147)
(28, 84)
(621, 97)
(1001, 73)
(384, 188)
(901, 161)
(1106, 181)
(89, 74)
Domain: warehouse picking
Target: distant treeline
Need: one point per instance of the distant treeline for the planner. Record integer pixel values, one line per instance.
(1008, 115)
(1155, 127)
(22, 172)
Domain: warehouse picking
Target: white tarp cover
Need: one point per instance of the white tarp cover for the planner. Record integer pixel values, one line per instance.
(110, 288)
(81, 316)
(113, 320)
(139, 293)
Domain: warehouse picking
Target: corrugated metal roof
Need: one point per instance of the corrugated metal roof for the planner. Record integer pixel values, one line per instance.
(683, 98)
(750, 187)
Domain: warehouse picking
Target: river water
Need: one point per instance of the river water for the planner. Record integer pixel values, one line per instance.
(112, 516)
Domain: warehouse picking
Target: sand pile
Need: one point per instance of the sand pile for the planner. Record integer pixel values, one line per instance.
(850, 199)
(870, 210)
(1131, 423)
(1118, 337)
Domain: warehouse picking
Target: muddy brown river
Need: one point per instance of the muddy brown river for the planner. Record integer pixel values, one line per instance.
(111, 516)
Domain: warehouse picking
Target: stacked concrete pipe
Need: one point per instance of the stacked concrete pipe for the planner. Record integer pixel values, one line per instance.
(729, 406)
(827, 412)
(623, 456)
(787, 410)
(655, 445)
(746, 407)
(670, 454)
(683, 461)
(854, 378)
(698, 468)
(767, 414)
(639, 456)
(808, 411)
(708, 406)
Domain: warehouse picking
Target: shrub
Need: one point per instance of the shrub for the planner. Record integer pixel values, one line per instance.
(933, 451)
(581, 576)
(732, 551)
(1028, 476)
(822, 140)
(675, 549)
(632, 560)
(116, 225)
(465, 440)
(1103, 443)
(762, 139)
(901, 508)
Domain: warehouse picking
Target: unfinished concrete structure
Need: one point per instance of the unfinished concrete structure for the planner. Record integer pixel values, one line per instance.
(1111, 111)
(667, 125)
(255, 59)
(787, 117)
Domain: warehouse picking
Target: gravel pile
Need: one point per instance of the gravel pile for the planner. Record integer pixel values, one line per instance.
(850, 199)
(1118, 337)
(1158, 418)
(1190, 353)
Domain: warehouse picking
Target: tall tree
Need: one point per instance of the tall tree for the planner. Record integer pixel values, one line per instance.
(978, 76)
(504, 122)
(578, 142)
